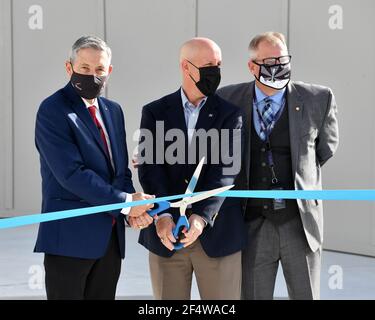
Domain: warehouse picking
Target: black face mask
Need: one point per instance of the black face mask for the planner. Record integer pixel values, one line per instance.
(87, 86)
(276, 76)
(209, 79)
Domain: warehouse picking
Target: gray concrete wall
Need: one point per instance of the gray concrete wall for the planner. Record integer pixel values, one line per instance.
(145, 36)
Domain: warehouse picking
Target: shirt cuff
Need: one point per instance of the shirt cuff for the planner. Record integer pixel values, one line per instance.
(129, 198)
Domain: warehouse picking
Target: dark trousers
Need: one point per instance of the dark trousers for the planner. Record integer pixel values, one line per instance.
(70, 278)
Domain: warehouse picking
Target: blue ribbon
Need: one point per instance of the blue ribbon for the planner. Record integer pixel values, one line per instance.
(350, 195)
(58, 215)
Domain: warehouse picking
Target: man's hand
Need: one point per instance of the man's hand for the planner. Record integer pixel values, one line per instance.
(140, 210)
(164, 227)
(141, 221)
(197, 225)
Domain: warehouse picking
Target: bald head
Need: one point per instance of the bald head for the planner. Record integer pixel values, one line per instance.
(198, 47)
(199, 55)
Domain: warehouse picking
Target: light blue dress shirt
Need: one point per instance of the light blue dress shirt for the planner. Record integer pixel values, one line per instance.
(191, 113)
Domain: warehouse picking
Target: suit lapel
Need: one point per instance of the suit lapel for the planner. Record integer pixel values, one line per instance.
(295, 112)
(106, 115)
(82, 112)
(175, 112)
(207, 114)
(175, 117)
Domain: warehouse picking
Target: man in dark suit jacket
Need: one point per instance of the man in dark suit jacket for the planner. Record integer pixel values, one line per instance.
(291, 131)
(81, 140)
(216, 237)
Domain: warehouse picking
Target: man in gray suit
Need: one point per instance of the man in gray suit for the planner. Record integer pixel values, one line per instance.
(291, 131)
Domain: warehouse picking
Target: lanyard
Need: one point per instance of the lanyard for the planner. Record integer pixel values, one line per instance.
(267, 133)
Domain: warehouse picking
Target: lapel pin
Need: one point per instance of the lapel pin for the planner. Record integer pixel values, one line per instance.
(210, 115)
(297, 108)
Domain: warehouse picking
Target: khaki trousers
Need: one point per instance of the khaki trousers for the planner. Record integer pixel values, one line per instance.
(217, 278)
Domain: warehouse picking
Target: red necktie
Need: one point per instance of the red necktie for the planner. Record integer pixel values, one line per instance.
(102, 135)
(100, 128)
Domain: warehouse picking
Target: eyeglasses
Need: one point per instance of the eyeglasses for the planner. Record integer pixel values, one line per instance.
(273, 60)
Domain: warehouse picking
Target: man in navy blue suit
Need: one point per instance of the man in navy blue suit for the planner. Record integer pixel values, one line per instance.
(81, 140)
(212, 246)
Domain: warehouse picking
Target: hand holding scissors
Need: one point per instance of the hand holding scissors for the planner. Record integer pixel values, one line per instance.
(183, 204)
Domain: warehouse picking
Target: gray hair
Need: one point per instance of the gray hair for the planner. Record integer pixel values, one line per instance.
(89, 42)
(271, 37)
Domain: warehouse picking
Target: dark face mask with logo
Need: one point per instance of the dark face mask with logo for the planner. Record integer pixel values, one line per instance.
(87, 86)
(209, 79)
(275, 76)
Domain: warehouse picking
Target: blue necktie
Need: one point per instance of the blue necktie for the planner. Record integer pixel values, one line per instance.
(267, 117)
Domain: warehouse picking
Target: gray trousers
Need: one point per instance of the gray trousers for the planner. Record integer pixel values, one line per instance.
(270, 243)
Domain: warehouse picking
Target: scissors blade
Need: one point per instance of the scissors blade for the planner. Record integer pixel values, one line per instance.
(206, 194)
(194, 179)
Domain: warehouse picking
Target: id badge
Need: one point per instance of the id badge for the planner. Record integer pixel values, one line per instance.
(278, 204)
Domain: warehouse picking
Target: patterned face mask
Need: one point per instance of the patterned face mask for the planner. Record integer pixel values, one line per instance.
(275, 76)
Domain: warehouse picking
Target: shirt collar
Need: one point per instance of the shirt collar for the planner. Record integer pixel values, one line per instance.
(277, 97)
(187, 104)
(95, 104)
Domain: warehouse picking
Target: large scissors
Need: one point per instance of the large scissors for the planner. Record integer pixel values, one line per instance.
(183, 204)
